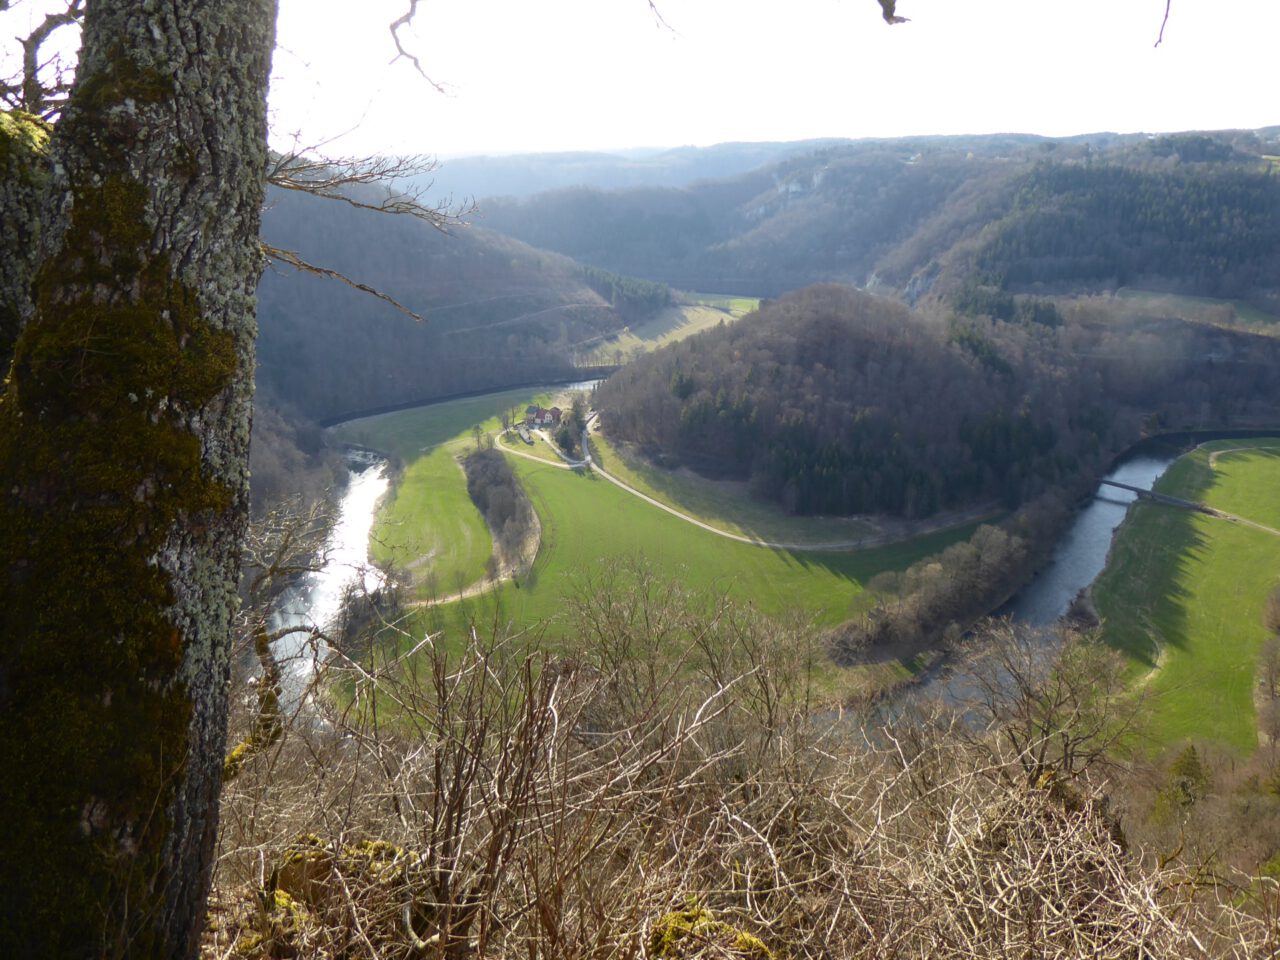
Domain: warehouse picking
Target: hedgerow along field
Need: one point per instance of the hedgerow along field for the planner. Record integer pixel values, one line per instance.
(1183, 593)
(588, 524)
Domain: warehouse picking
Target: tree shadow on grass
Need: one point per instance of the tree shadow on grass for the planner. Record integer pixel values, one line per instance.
(1141, 594)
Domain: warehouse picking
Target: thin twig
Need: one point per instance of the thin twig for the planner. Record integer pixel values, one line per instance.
(405, 54)
(1164, 22)
(295, 261)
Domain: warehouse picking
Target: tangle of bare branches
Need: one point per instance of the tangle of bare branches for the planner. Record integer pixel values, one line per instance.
(662, 787)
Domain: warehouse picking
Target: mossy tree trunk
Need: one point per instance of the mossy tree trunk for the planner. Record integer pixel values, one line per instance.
(124, 433)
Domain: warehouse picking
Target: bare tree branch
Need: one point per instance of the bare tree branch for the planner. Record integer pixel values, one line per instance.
(30, 91)
(657, 14)
(334, 179)
(889, 9)
(402, 53)
(1164, 22)
(295, 261)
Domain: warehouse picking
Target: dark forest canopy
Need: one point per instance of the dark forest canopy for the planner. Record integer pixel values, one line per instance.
(1212, 231)
(834, 401)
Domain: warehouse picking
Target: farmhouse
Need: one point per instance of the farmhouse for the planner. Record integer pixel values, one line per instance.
(541, 416)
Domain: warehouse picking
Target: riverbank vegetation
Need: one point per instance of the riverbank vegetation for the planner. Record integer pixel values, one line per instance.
(935, 601)
(1184, 597)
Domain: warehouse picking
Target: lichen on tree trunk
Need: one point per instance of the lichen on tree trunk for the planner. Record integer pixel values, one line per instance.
(124, 430)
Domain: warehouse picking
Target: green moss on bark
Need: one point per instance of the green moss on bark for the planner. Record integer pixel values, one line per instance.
(23, 177)
(99, 462)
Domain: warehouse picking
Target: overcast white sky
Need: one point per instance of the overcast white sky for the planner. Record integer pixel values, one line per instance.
(604, 74)
(599, 74)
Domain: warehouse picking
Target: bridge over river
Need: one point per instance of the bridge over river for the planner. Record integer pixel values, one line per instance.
(1161, 497)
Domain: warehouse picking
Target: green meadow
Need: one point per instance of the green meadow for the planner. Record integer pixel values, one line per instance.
(737, 306)
(702, 311)
(589, 523)
(430, 527)
(1183, 593)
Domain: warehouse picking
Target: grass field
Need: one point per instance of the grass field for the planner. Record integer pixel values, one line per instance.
(723, 505)
(737, 306)
(1183, 593)
(429, 527)
(408, 433)
(588, 524)
(539, 448)
(706, 310)
(1205, 309)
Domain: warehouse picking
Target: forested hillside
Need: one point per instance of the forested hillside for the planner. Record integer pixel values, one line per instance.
(495, 311)
(1192, 213)
(835, 401)
(830, 215)
(1212, 230)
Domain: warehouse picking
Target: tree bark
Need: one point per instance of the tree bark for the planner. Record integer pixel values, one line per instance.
(124, 434)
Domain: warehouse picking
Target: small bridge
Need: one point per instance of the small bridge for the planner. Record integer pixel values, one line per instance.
(1161, 497)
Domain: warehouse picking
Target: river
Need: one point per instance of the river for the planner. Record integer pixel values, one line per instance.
(316, 600)
(1081, 552)
(1078, 558)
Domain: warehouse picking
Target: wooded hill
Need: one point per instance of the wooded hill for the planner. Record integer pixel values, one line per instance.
(495, 311)
(831, 400)
(1191, 213)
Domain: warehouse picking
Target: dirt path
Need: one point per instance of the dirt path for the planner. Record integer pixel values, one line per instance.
(1215, 454)
(566, 463)
(528, 553)
(825, 546)
(1233, 518)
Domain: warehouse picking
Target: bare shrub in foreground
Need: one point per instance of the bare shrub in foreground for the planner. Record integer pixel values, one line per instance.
(664, 787)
